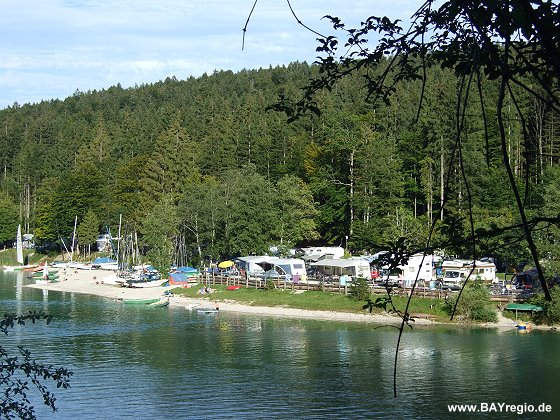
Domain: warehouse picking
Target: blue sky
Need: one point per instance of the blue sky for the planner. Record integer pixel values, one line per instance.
(51, 48)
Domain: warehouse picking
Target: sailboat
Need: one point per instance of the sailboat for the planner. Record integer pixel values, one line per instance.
(19, 253)
(43, 276)
(19, 247)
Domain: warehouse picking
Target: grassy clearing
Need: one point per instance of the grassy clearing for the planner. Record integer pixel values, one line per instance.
(8, 256)
(316, 300)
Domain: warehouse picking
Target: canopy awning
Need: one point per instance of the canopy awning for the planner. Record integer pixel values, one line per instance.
(225, 264)
(524, 307)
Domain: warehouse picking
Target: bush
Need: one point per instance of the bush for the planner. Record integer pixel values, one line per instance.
(359, 289)
(551, 313)
(474, 304)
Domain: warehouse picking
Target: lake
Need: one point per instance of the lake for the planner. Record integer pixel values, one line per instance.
(137, 362)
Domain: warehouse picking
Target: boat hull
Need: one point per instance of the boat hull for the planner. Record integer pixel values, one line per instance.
(140, 301)
(207, 310)
(145, 284)
(159, 304)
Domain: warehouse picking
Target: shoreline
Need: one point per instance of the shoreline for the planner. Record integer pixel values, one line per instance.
(91, 282)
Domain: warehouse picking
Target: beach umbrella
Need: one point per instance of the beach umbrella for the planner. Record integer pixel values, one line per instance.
(225, 264)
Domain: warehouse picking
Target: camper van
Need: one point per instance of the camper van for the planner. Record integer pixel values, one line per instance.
(455, 272)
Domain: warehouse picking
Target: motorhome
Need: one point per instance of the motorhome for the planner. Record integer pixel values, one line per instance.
(420, 267)
(455, 272)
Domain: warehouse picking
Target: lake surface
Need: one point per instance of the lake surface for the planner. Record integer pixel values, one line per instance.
(137, 362)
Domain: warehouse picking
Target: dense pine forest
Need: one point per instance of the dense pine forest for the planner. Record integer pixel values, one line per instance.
(203, 168)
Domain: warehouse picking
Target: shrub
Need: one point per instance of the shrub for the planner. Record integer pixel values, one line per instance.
(474, 303)
(551, 313)
(359, 289)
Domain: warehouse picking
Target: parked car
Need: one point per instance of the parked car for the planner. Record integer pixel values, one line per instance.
(275, 275)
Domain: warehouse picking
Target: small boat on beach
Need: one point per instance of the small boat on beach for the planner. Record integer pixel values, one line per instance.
(10, 268)
(144, 301)
(41, 280)
(207, 310)
(159, 303)
(144, 283)
(42, 275)
(144, 277)
(105, 263)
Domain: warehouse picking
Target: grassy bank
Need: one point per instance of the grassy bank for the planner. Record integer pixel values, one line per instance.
(317, 300)
(8, 256)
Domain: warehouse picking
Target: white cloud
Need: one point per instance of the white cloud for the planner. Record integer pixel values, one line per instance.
(50, 48)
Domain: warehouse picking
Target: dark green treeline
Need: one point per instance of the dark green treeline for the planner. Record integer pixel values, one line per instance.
(200, 167)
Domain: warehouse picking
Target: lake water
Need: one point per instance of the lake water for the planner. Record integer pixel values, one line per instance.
(168, 363)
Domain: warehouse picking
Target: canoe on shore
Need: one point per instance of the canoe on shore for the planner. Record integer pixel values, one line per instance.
(159, 303)
(145, 301)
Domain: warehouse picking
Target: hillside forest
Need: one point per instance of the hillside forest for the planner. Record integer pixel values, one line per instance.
(202, 168)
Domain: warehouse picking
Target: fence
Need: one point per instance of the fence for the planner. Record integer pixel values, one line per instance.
(332, 285)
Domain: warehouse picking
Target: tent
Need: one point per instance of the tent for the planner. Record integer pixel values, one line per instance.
(183, 275)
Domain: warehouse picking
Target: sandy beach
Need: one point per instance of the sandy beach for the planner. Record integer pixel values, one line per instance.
(92, 282)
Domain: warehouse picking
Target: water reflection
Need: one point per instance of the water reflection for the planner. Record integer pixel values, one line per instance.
(19, 291)
(135, 362)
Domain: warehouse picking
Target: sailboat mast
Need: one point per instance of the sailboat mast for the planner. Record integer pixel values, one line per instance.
(74, 238)
(19, 246)
(119, 239)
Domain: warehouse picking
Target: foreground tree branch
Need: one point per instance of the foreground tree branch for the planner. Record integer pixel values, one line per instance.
(18, 372)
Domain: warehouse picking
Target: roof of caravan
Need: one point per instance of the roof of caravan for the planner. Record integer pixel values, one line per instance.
(344, 262)
(466, 263)
(259, 259)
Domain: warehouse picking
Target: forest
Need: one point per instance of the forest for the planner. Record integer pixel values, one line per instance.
(205, 168)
